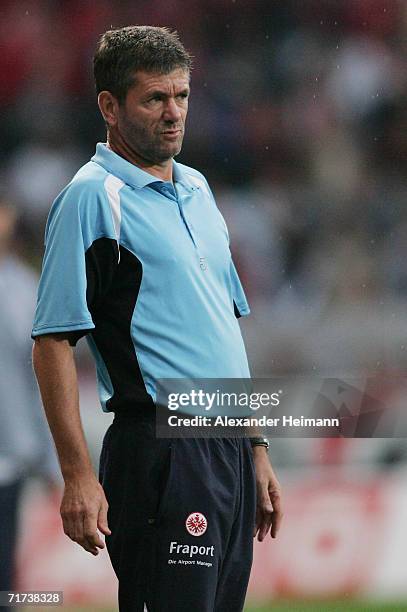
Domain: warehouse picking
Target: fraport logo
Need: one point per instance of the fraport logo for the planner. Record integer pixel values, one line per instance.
(196, 524)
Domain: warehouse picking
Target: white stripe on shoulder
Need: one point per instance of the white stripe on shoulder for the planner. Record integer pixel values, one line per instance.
(113, 186)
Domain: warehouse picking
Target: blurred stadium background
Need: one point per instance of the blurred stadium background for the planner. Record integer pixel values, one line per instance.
(298, 118)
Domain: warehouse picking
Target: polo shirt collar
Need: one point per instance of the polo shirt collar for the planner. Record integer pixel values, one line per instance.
(179, 176)
(131, 174)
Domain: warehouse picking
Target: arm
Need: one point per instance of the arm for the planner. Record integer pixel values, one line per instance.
(269, 512)
(269, 508)
(84, 506)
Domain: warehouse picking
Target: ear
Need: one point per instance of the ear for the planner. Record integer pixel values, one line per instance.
(109, 107)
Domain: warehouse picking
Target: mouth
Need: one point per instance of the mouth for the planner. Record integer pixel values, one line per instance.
(171, 134)
(171, 131)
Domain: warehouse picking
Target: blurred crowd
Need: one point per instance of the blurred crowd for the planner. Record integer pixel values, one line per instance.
(298, 118)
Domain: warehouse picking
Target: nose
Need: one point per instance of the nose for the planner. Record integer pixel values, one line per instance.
(172, 111)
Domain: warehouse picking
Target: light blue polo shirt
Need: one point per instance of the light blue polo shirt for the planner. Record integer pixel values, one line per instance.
(142, 267)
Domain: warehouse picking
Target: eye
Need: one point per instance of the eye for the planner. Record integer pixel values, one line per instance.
(155, 98)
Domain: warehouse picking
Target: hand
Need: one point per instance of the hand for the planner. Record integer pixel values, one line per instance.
(84, 511)
(269, 512)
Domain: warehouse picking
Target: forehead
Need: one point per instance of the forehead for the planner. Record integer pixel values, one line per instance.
(148, 81)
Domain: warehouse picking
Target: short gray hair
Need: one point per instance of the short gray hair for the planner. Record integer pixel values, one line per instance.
(122, 52)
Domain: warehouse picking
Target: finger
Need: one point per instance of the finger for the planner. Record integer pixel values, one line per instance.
(265, 526)
(257, 523)
(277, 516)
(264, 503)
(276, 523)
(258, 518)
(265, 513)
(91, 535)
(88, 547)
(93, 540)
(102, 523)
(72, 525)
(92, 551)
(72, 531)
(275, 526)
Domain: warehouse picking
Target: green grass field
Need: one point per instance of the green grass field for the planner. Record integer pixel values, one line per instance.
(279, 606)
(334, 606)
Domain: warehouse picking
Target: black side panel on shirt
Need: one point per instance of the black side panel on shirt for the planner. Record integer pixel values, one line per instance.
(237, 311)
(101, 265)
(112, 293)
(101, 262)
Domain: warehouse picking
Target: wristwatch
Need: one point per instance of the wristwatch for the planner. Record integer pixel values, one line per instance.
(260, 441)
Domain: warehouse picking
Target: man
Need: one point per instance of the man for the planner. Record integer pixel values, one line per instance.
(137, 259)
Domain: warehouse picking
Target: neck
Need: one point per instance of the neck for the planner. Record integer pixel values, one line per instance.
(116, 143)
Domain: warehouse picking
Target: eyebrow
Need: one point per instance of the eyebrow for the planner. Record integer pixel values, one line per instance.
(160, 92)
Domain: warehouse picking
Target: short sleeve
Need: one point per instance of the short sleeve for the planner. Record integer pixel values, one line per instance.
(74, 272)
(240, 303)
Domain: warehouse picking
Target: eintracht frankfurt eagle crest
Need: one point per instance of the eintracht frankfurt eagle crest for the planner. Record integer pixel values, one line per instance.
(196, 524)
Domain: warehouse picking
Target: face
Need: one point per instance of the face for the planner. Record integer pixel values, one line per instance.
(151, 120)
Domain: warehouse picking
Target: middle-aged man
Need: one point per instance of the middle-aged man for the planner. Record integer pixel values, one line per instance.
(137, 259)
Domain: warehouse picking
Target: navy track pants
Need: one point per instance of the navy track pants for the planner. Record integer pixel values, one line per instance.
(182, 514)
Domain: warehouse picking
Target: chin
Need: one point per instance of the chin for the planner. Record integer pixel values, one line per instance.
(170, 152)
